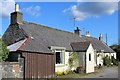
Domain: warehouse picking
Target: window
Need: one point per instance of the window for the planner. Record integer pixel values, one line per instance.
(89, 57)
(58, 58)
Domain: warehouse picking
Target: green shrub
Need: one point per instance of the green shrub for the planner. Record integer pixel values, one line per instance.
(114, 61)
(73, 60)
(65, 72)
(3, 51)
(58, 73)
(107, 61)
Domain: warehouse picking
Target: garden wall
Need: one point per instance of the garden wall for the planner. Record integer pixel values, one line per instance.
(12, 69)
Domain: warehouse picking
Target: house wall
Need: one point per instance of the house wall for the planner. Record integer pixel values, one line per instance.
(95, 58)
(65, 65)
(39, 65)
(100, 56)
(90, 64)
(114, 54)
(81, 59)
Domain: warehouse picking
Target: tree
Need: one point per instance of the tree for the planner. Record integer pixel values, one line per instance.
(116, 48)
(3, 51)
(73, 60)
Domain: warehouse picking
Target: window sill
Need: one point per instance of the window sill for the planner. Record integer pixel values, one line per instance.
(59, 65)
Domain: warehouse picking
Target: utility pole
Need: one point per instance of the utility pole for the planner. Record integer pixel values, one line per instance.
(74, 22)
(83, 30)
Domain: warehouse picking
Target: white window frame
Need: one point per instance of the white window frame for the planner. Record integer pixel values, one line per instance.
(62, 51)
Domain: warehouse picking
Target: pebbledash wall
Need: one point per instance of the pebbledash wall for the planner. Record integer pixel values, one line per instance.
(12, 69)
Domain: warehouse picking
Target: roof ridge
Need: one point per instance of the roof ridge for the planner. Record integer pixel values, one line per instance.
(89, 37)
(82, 42)
(47, 27)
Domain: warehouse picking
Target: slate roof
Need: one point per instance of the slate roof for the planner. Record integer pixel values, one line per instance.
(80, 46)
(43, 37)
(98, 45)
(48, 37)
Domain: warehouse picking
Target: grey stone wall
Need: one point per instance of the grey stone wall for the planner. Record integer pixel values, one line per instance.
(12, 69)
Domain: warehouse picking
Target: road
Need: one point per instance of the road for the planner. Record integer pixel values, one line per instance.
(106, 72)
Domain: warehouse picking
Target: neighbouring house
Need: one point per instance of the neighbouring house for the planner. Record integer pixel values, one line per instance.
(101, 49)
(47, 50)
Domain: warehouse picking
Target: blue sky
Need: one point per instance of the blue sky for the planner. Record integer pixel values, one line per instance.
(93, 17)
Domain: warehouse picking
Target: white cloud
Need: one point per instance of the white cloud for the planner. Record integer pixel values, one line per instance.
(84, 10)
(33, 10)
(7, 7)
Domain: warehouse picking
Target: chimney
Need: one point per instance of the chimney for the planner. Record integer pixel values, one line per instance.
(16, 8)
(100, 38)
(16, 17)
(87, 34)
(77, 31)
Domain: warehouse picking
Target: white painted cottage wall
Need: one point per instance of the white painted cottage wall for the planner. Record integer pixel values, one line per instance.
(90, 64)
(65, 65)
(100, 58)
(114, 54)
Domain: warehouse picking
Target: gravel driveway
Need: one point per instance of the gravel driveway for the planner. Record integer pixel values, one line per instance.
(106, 72)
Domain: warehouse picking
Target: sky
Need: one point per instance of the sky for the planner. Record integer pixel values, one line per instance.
(95, 17)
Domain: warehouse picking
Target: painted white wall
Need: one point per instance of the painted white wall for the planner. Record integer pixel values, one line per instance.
(95, 58)
(65, 65)
(90, 64)
(100, 58)
(114, 54)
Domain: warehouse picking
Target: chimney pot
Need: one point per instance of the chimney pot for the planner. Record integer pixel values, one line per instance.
(77, 31)
(87, 34)
(100, 38)
(16, 7)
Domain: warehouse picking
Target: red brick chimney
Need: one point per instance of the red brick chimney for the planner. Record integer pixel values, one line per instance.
(16, 17)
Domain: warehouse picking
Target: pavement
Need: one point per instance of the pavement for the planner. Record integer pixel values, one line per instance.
(105, 72)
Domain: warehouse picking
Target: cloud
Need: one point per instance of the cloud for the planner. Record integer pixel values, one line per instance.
(85, 10)
(33, 10)
(7, 6)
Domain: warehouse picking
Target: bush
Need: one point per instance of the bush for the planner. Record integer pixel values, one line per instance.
(114, 61)
(73, 60)
(80, 69)
(3, 51)
(65, 72)
(58, 73)
(106, 61)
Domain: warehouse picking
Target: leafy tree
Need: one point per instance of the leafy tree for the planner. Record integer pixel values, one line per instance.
(73, 60)
(3, 51)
